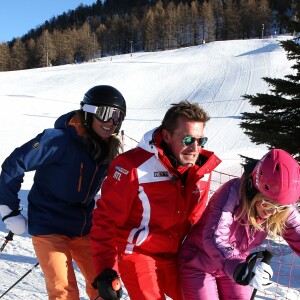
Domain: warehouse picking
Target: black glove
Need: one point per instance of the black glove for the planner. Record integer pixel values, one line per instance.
(108, 285)
(244, 273)
(253, 272)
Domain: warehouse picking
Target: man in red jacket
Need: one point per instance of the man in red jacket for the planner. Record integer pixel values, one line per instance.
(152, 196)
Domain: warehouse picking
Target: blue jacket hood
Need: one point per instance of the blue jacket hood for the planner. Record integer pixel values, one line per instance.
(61, 122)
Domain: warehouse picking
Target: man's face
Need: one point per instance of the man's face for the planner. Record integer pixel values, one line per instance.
(186, 155)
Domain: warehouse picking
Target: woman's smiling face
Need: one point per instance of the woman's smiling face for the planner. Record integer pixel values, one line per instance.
(103, 129)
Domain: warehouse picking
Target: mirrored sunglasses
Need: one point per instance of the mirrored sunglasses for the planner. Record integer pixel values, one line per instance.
(267, 205)
(105, 113)
(189, 140)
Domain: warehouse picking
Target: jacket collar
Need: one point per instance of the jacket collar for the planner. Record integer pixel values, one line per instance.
(152, 142)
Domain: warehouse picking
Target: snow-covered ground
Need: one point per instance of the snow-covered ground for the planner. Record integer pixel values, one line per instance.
(216, 75)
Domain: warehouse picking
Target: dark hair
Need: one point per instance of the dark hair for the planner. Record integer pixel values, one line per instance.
(185, 109)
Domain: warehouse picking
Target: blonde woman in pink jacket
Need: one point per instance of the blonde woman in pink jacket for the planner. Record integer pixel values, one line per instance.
(215, 260)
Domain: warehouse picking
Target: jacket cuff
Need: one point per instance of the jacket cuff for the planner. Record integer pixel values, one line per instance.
(231, 265)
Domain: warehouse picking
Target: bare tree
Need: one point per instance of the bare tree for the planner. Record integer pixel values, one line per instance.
(4, 57)
(208, 22)
(231, 22)
(18, 55)
(86, 44)
(149, 31)
(171, 25)
(195, 19)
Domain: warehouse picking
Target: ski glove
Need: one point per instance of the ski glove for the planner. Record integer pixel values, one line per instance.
(108, 285)
(253, 272)
(14, 221)
(263, 273)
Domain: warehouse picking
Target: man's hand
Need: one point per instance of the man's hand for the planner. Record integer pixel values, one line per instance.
(108, 284)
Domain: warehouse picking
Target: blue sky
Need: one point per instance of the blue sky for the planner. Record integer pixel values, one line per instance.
(17, 17)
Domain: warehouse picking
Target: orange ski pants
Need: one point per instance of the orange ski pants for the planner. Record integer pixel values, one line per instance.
(55, 254)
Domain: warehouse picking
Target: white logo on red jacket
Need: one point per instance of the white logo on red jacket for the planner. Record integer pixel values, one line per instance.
(117, 175)
(121, 170)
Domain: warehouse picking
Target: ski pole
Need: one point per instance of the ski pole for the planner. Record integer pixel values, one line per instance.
(20, 279)
(267, 258)
(8, 238)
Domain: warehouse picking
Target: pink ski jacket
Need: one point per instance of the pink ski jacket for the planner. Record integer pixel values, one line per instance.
(218, 243)
(145, 207)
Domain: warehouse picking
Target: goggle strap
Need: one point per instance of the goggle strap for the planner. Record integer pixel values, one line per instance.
(274, 206)
(89, 108)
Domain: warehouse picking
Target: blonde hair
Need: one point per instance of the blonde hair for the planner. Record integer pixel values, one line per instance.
(273, 225)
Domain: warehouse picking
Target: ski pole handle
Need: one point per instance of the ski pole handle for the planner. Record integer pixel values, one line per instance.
(8, 238)
(267, 258)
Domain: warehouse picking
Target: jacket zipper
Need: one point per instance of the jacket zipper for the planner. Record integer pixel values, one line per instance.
(80, 177)
(96, 170)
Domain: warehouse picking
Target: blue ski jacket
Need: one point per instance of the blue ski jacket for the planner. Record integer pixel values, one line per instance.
(65, 183)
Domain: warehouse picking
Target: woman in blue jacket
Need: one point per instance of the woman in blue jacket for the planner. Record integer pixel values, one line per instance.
(215, 261)
(70, 162)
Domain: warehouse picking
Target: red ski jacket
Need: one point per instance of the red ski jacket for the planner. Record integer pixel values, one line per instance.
(145, 207)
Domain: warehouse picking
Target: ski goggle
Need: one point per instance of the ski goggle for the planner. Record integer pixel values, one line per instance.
(267, 205)
(189, 140)
(105, 113)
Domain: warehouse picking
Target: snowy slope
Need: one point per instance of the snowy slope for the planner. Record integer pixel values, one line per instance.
(215, 75)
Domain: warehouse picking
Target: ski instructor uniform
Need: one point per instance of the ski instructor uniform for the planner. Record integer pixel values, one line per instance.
(152, 196)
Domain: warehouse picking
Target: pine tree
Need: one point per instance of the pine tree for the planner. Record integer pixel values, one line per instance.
(277, 123)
